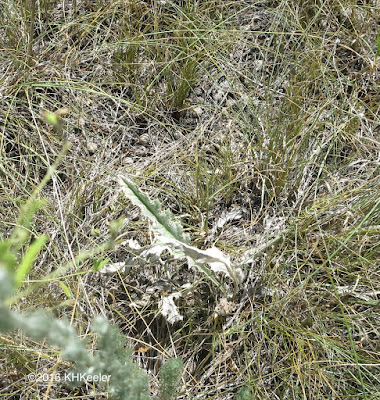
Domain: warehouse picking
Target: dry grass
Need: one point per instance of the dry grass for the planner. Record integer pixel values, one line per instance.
(256, 123)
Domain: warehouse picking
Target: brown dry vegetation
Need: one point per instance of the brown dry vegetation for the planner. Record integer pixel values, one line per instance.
(257, 124)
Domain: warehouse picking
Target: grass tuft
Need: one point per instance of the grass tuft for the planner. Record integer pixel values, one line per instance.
(257, 125)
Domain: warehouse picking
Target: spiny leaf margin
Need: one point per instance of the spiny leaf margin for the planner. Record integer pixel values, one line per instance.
(163, 220)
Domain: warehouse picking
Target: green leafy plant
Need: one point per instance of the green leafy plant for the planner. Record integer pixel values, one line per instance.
(123, 378)
(170, 375)
(170, 236)
(163, 221)
(244, 393)
(100, 262)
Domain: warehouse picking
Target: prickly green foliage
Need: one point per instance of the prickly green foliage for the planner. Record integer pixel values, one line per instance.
(7, 258)
(170, 233)
(127, 380)
(244, 393)
(6, 289)
(163, 221)
(170, 374)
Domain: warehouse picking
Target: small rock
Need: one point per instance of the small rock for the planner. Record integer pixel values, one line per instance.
(142, 151)
(144, 139)
(198, 111)
(92, 147)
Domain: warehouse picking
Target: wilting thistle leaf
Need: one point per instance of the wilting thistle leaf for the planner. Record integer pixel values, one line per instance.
(169, 233)
(163, 221)
(168, 308)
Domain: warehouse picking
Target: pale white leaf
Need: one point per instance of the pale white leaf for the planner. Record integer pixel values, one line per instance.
(153, 253)
(168, 308)
(134, 244)
(217, 261)
(112, 268)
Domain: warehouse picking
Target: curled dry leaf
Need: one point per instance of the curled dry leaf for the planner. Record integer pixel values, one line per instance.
(111, 268)
(168, 308)
(224, 307)
(217, 261)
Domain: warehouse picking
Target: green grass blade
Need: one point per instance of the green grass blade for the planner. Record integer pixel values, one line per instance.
(28, 259)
